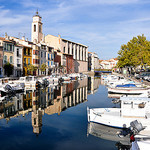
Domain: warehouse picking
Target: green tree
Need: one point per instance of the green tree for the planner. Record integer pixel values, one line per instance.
(31, 68)
(43, 67)
(135, 53)
(8, 69)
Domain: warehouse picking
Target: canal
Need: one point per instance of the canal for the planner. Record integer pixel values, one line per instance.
(54, 118)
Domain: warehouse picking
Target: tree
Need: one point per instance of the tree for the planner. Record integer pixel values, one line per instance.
(135, 53)
(8, 69)
(43, 67)
(31, 68)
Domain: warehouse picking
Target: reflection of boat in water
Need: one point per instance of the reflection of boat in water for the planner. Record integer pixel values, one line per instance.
(109, 133)
(132, 108)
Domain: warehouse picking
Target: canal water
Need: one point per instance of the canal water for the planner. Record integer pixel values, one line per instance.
(54, 118)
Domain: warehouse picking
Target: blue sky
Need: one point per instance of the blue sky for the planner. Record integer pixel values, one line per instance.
(103, 25)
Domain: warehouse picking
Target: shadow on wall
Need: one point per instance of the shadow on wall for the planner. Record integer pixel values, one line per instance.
(76, 66)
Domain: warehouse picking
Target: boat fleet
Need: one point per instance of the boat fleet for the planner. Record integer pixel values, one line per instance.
(132, 117)
(9, 86)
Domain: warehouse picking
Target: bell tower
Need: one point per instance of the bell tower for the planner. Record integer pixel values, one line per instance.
(36, 33)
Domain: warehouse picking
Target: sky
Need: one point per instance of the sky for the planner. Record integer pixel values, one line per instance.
(102, 25)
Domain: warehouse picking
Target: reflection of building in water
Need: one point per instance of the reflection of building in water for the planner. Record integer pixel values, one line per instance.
(68, 95)
(11, 107)
(36, 118)
(93, 84)
(38, 102)
(27, 100)
(50, 100)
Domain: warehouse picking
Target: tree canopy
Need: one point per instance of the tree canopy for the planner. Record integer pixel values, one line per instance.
(43, 67)
(31, 68)
(135, 53)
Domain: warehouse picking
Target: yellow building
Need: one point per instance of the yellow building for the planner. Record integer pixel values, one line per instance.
(27, 59)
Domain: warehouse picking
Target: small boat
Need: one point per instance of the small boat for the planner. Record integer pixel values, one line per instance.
(28, 81)
(132, 108)
(65, 78)
(128, 90)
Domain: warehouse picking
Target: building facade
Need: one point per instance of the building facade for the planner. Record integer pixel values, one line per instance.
(108, 64)
(93, 61)
(27, 60)
(1, 61)
(18, 66)
(68, 48)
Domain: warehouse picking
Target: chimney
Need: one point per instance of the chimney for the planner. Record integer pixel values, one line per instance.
(23, 38)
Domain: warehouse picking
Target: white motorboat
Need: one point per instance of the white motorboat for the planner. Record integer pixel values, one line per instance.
(132, 108)
(128, 90)
(65, 78)
(29, 81)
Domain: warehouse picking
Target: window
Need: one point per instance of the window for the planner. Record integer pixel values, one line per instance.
(76, 54)
(17, 52)
(28, 61)
(48, 57)
(48, 63)
(28, 51)
(79, 53)
(34, 52)
(41, 54)
(10, 59)
(51, 62)
(82, 54)
(17, 61)
(25, 61)
(39, 28)
(5, 59)
(34, 28)
(34, 61)
(64, 49)
(45, 54)
(41, 61)
(24, 51)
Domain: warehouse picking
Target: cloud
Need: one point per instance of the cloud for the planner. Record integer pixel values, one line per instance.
(137, 20)
(107, 2)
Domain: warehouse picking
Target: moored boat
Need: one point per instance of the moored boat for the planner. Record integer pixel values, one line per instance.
(136, 108)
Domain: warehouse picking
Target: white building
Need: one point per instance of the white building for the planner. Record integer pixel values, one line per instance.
(108, 64)
(93, 61)
(18, 66)
(79, 52)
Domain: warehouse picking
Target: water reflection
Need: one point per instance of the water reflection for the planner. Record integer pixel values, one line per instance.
(51, 100)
